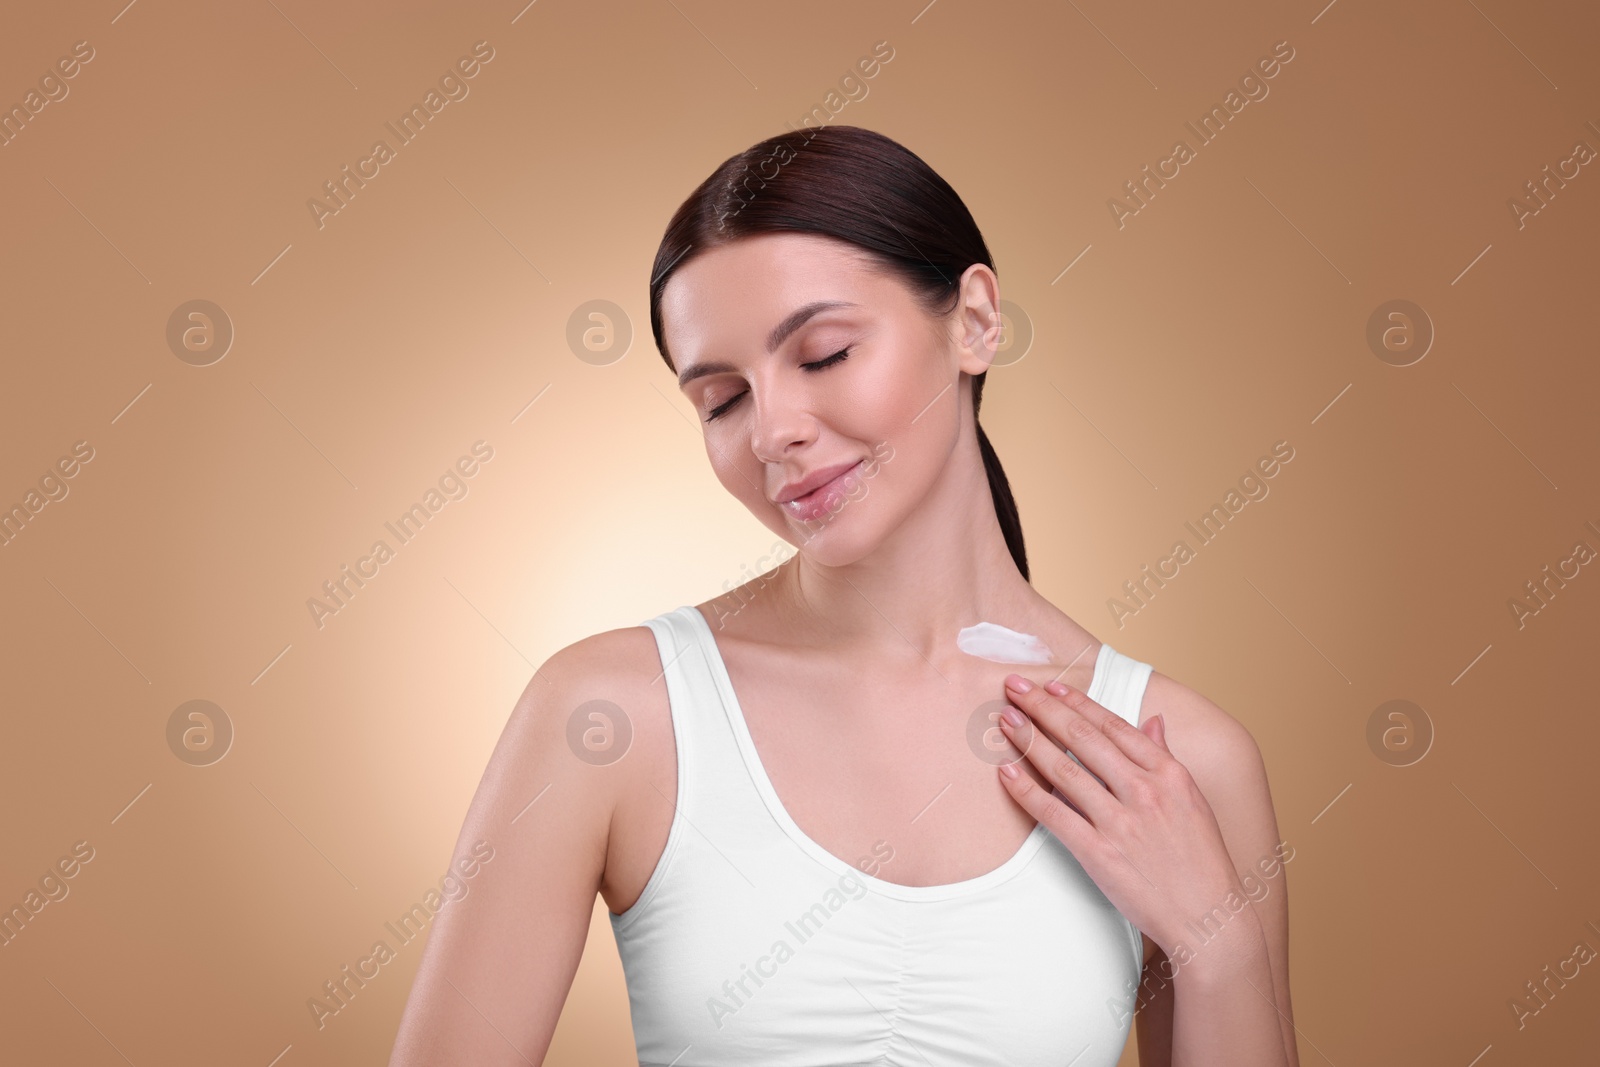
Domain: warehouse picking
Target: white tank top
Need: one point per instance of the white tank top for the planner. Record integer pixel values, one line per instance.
(753, 946)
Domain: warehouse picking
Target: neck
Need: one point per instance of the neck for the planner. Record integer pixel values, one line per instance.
(945, 568)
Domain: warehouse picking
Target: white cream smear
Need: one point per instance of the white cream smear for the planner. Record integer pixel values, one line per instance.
(993, 642)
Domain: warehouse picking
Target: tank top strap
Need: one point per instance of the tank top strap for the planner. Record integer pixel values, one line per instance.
(1119, 683)
(710, 768)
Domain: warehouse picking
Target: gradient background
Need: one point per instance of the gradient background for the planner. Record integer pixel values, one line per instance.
(1230, 313)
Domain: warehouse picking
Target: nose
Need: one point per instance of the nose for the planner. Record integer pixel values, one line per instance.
(783, 421)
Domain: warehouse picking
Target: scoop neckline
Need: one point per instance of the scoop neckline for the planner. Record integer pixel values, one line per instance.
(769, 795)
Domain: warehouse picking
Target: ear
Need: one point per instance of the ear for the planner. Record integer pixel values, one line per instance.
(977, 319)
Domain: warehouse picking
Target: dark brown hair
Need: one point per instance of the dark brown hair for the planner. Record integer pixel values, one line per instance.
(858, 186)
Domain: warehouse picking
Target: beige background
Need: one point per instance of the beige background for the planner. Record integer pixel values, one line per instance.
(1228, 314)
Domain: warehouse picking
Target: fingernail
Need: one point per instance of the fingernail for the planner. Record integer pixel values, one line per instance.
(1018, 683)
(1012, 716)
(1056, 689)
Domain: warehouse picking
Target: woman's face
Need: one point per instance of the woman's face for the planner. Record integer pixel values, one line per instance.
(803, 362)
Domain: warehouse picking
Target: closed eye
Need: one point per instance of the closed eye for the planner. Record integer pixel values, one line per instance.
(723, 408)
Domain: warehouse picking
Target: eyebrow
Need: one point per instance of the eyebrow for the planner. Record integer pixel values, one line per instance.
(791, 322)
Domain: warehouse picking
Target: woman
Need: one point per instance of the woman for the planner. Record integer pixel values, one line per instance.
(818, 840)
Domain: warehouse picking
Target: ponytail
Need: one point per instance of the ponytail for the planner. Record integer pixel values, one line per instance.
(1005, 505)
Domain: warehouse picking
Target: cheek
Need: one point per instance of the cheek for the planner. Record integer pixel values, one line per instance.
(882, 402)
(910, 403)
(722, 465)
(739, 472)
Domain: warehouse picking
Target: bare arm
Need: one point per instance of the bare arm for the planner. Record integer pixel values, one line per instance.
(499, 962)
(1245, 970)
(1152, 1018)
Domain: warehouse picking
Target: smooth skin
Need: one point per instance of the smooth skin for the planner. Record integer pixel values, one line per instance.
(844, 661)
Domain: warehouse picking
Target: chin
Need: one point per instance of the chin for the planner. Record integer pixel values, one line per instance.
(843, 539)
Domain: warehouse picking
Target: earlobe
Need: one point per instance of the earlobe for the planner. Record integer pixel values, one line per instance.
(975, 360)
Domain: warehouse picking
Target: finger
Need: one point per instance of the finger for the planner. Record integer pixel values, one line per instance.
(1156, 727)
(1133, 743)
(1070, 826)
(1076, 732)
(1061, 770)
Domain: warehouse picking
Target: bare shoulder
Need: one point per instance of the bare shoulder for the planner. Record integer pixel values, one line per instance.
(581, 723)
(624, 657)
(1224, 760)
(607, 691)
(1203, 736)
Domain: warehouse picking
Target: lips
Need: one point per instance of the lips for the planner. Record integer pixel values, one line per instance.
(814, 495)
(811, 482)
